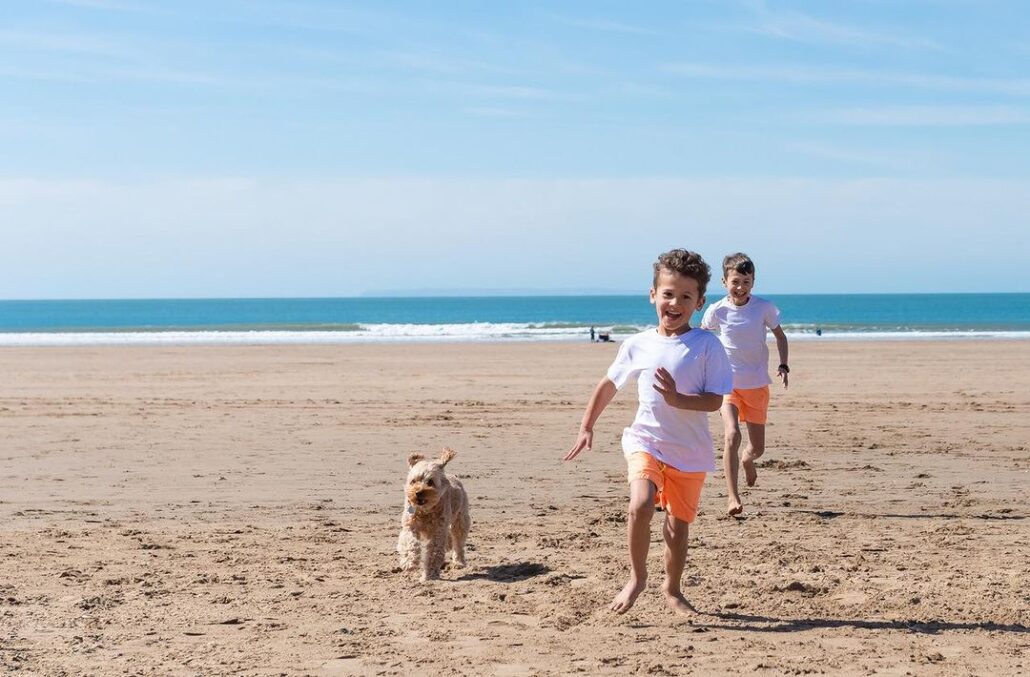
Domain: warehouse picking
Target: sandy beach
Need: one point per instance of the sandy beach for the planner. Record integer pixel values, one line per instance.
(234, 510)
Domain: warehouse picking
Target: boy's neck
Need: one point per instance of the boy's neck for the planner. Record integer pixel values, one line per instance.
(679, 332)
(734, 301)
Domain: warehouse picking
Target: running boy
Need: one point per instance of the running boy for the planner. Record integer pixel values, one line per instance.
(682, 373)
(741, 320)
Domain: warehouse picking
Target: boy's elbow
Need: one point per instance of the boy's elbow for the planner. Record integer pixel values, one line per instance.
(712, 402)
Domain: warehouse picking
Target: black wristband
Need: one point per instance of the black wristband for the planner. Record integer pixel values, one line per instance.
(785, 368)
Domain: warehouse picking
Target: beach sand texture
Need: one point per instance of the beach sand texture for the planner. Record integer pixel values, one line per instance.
(216, 510)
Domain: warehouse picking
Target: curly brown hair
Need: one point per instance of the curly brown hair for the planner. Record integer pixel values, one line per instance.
(685, 263)
(739, 262)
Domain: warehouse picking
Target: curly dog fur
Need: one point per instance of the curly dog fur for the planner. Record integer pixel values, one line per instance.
(435, 518)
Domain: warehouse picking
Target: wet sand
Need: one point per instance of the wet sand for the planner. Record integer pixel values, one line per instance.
(216, 510)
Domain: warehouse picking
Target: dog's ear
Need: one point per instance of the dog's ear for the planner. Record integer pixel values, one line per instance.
(414, 458)
(446, 455)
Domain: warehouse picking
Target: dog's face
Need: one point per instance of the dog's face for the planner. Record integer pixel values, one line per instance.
(427, 482)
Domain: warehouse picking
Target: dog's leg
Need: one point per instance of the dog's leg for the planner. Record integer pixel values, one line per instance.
(458, 535)
(409, 549)
(432, 559)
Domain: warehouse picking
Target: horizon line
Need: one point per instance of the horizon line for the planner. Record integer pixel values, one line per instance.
(442, 294)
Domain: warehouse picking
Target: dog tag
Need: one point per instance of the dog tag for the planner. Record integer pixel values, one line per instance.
(411, 509)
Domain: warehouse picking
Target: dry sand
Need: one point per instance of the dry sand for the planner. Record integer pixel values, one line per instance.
(217, 510)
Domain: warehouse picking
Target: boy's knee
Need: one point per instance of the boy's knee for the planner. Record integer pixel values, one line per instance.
(641, 509)
(676, 528)
(733, 436)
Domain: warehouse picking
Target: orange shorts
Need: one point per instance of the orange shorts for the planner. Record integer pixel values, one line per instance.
(678, 492)
(752, 403)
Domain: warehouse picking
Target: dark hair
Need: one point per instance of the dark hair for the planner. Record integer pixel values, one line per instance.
(740, 263)
(685, 263)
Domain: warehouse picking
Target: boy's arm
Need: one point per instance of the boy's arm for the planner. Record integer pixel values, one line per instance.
(603, 394)
(781, 348)
(666, 385)
(708, 321)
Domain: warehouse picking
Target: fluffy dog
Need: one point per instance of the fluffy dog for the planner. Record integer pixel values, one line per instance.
(435, 518)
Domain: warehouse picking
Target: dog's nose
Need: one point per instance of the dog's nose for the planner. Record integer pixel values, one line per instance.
(419, 496)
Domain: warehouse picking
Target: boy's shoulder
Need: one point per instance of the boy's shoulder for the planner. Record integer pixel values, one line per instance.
(705, 337)
(718, 303)
(636, 342)
(717, 309)
(639, 337)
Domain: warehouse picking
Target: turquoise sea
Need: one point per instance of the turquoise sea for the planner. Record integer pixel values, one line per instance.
(532, 318)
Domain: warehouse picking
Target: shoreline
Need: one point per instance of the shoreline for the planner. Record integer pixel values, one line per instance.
(131, 338)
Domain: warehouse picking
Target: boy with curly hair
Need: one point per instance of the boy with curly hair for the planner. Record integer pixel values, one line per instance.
(682, 374)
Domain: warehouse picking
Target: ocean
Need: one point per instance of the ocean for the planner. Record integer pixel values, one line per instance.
(824, 317)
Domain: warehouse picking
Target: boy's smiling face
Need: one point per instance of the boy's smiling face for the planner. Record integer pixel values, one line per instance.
(739, 286)
(675, 298)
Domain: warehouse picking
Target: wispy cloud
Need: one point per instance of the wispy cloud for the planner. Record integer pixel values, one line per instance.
(43, 75)
(851, 156)
(930, 116)
(494, 112)
(86, 74)
(800, 27)
(637, 90)
(64, 42)
(608, 26)
(104, 5)
(518, 92)
(423, 61)
(438, 63)
(816, 75)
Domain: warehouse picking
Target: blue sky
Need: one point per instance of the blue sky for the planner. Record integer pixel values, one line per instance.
(302, 148)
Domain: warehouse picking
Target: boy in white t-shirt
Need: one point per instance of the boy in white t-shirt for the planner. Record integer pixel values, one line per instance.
(741, 320)
(682, 373)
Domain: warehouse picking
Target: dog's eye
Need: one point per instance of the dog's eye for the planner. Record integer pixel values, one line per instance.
(429, 483)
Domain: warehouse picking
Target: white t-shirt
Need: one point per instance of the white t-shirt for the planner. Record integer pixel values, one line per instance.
(698, 364)
(742, 332)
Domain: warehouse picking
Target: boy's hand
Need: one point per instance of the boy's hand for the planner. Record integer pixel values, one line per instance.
(666, 386)
(584, 441)
(782, 375)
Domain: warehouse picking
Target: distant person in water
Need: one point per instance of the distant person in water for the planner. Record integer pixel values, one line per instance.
(681, 374)
(742, 320)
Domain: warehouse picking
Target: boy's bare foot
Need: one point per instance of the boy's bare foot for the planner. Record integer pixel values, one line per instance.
(734, 507)
(623, 602)
(750, 472)
(678, 603)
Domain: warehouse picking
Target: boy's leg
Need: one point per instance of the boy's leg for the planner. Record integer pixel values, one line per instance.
(675, 531)
(638, 537)
(755, 449)
(730, 462)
